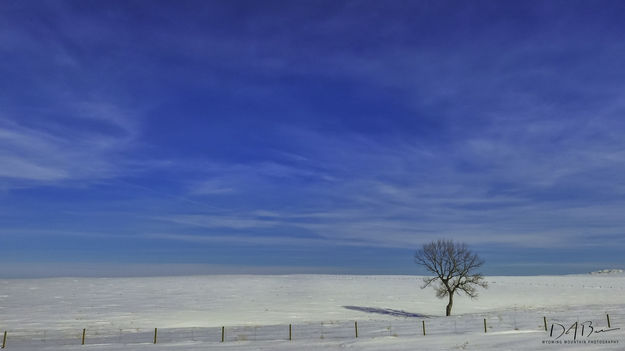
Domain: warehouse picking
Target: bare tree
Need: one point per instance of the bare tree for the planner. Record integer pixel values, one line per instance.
(454, 266)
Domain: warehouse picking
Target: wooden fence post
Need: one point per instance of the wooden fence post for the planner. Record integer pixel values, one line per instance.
(484, 325)
(423, 324)
(4, 339)
(608, 316)
(83, 336)
(155, 334)
(223, 333)
(356, 328)
(545, 321)
(290, 333)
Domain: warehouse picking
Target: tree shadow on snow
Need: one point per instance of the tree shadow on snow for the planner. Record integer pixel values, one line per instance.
(387, 311)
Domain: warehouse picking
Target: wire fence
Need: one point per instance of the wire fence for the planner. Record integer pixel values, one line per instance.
(493, 322)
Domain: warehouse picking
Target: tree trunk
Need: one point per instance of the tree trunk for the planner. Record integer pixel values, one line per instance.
(451, 302)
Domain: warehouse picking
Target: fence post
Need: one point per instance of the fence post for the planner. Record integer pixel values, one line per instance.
(290, 334)
(4, 339)
(484, 325)
(423, 324)
(608, 316)
(83, 335)
(545, 321)
(356, 328)
(223, 333)
(155, 334)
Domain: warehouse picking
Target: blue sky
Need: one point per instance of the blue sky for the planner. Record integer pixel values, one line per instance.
(145, 137)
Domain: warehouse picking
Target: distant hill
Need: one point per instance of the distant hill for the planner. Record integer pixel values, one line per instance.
(608, 271)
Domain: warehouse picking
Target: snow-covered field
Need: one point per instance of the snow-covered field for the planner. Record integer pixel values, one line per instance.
(121, 313)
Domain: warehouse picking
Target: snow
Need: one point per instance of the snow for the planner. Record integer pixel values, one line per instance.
(121, 313)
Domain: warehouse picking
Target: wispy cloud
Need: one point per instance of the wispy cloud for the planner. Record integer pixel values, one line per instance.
(210, 187)
(51, 153)
(486, 189)
(222, 127)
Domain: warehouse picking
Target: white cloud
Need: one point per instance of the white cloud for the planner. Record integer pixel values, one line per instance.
(522, 191)
(211, 187)
(51, 153)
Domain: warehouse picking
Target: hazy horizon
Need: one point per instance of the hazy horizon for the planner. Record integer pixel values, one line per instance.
(90, 270)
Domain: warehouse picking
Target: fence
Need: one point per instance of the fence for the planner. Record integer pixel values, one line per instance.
(503, 321)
